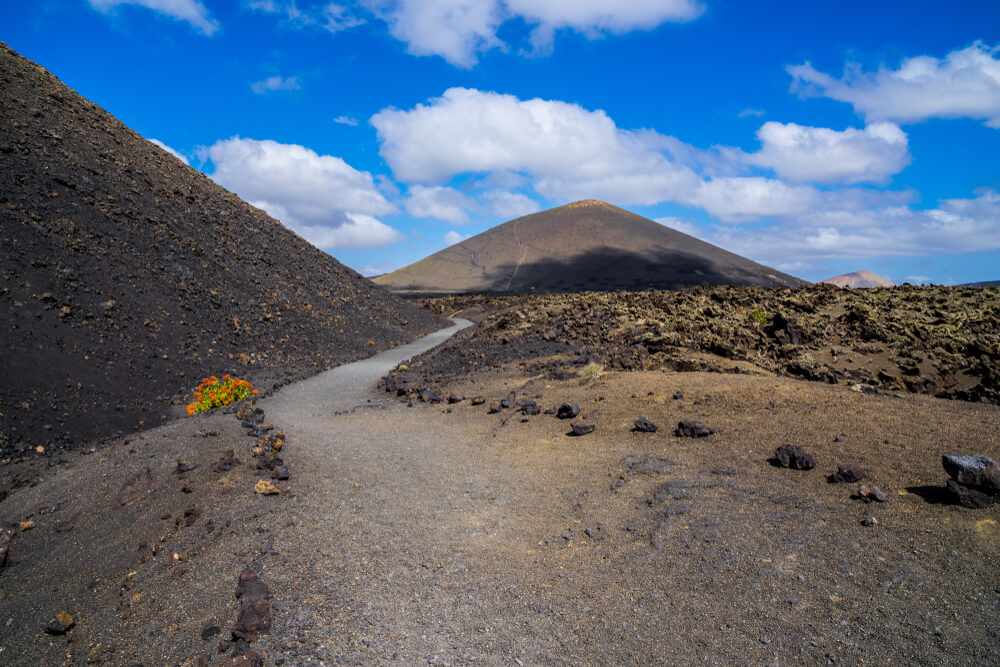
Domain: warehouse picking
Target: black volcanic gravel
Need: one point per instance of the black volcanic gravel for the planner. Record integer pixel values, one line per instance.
(126, 276)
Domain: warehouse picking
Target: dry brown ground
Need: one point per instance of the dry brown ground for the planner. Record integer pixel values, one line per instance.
(419, 535)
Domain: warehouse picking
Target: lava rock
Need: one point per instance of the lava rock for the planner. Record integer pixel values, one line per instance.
(970, 497)
(227, 462)
(974, 471)
(583, 427)
(790, 456)
(643, 425)
(280, 473)
(453, 399)
(210, 631)
(266, 488)
(568, 411)
(61, 624)
(250, 587)
(872, 493)
(493, 409)
(687, 428)
(254, 618)
(847, 473)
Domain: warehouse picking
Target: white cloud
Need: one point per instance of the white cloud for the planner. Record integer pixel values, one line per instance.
(751, 112)
(191, 11)
(331, 16)
(570, 152)
(274, 83)
(345, 120)
(169, 150)
(453, 237)
(509, 205)
(438, 202)
(963, 84)
(357, 232)
(459, 30)
(818, 154)
(319, 196)
(742, 198)
(954, 226)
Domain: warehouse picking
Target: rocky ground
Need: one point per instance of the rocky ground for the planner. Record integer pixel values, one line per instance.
(483, 531)
(941, 341)
(126, 277)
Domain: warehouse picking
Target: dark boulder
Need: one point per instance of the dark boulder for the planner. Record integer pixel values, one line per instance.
(790, 456)
(568, 411)
(643, 425)
(687, 428)
(847, 473)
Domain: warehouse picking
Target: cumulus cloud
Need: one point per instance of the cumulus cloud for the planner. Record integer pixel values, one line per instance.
(743, 198)
(191, 11)
(274, 83)
(345, 120)
(954, 226)
(319, 196)
(438, 202)
(817, 154)
(568, 151)
(355, 233)
(459, 30)
(963, 84)
(453, 237)
(509, 205)
(169, 150)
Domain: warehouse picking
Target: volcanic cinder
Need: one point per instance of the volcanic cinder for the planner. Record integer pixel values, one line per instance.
(125, 276)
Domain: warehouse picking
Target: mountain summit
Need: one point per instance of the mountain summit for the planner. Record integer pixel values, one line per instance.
(859, 279)
(586, 245)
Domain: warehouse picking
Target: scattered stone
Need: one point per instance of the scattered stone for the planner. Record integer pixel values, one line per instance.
(872, 493)
(583, 427)
(25, 525)
(269, 462)
(452, 399)
(790, 456)
(677, 396)
(248, 658)
(568, 411)
(227, 462)
(478, 400)
(493, 409)
(61, 624)
(266, 488)
(254, 619)
(210, 631)
(765, 640)
(847, 473)
(968, 496)
(975, 471)
(135, 489)
(191, 515)
(184, 467)
(507, 403)
(280, 473)
(687, 428)
(250, 587)
(643, 425)
(869, 521)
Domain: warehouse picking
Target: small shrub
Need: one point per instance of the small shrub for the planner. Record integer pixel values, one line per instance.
(214, 393)
(590, 370)
(758, 317)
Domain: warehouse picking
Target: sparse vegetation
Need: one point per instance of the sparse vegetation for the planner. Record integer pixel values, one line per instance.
(214, 393)
(590, 370)
(757, 317)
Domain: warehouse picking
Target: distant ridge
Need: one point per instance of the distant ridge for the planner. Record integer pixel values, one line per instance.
(585, 245)
(127, 276)
(982, 283)
(859, 279)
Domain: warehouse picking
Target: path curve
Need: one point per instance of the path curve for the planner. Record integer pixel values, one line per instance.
(348, 386)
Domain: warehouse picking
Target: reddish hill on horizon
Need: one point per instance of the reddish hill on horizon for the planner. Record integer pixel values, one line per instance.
(586, 245)
(859, 279)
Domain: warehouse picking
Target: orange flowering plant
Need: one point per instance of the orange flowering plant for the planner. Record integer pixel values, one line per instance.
(214, 393)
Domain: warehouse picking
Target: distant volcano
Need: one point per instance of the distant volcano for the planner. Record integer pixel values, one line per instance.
(859, 279)
(586, 245)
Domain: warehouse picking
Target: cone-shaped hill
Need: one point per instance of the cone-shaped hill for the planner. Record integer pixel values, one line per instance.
(587, 245)
(859, 279)
(128, 276)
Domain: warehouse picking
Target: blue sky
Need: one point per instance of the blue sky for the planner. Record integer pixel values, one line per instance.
(819, 140)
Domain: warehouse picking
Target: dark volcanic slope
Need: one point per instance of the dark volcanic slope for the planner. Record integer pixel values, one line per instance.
(125, 276)
(587, 245)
